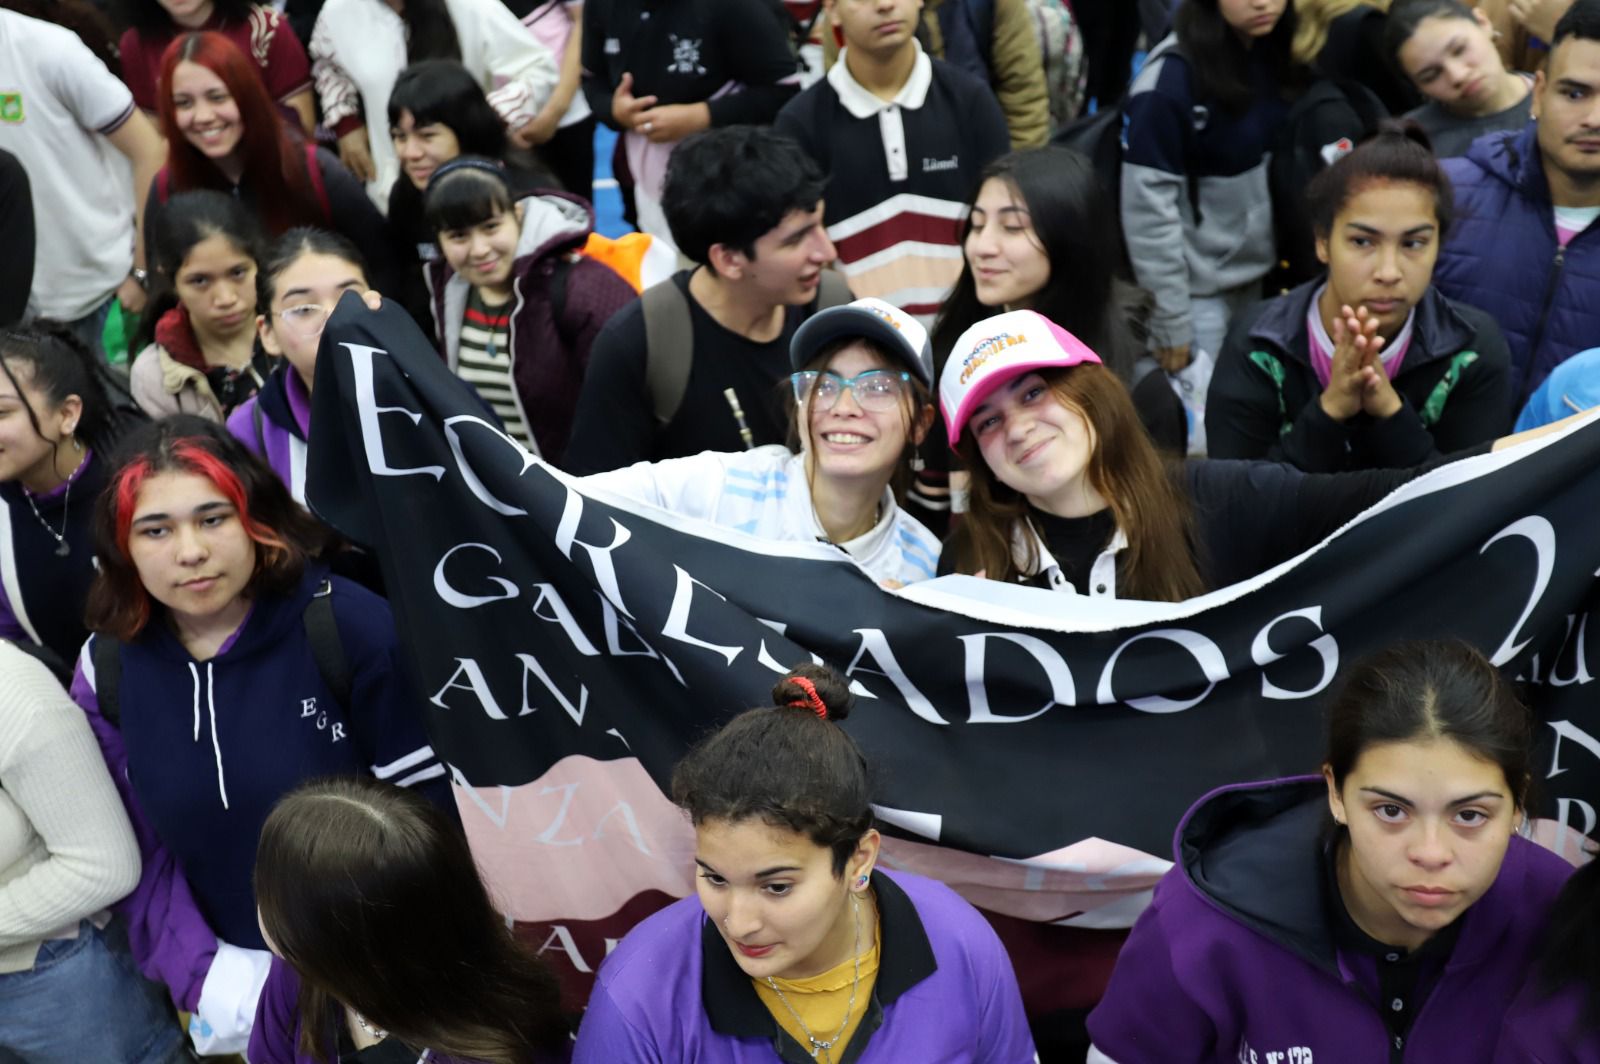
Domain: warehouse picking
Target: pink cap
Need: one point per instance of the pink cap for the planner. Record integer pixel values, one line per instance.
(997, 350)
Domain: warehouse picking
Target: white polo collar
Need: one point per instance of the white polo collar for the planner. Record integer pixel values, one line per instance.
(863, 104)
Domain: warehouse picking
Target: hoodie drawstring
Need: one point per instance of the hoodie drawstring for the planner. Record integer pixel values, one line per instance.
(211, 707)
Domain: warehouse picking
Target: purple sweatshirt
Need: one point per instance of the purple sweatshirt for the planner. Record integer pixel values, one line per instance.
(945, 991)
(1236, 958)
(275, 424)
(1548, 1029)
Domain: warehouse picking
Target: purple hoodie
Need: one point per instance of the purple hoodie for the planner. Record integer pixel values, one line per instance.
(1548, 1029)
(275, 424)
(945, 991)
(1236, 958)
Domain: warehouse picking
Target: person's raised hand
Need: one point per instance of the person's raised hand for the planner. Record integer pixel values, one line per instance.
(1174, 358)
(1354, 335)
(625, 106)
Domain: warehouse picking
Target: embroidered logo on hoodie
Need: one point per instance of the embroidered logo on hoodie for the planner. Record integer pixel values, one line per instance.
(309, 710)
(685, 55)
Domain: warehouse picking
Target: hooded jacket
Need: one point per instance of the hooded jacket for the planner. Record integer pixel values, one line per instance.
(764, 492)
(1196, 208)
(945, 991)
(1453, 384)
(1236, 958)
(1548, 1029)
(1502, 255)
(203, 750)
(274, 424)
(169, 376)
(549, 343)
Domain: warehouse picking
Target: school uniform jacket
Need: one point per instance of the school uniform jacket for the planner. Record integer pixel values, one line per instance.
(765, 492)
(1195, 204)
(203, 750)
(274, 424)
(554, 318)
(945, 991)
(900, 174)
(1454, 387)
(1236, 958)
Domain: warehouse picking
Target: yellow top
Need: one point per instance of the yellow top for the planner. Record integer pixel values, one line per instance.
(822, 999)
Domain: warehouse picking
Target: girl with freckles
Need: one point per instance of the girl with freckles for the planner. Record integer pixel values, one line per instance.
(1385, 910)
(796, 946)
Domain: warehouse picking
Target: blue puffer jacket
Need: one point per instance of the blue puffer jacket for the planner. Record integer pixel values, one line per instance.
(1502, 257)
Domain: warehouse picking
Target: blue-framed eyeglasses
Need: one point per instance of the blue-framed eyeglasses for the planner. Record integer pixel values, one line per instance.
(876, 389)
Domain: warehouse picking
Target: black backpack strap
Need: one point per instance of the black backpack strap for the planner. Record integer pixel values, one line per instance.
(327, 649)
(256, 423)
(560, 281)
(668, 347)
(107, 658)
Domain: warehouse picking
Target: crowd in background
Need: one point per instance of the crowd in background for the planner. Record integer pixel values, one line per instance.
(1113, 299)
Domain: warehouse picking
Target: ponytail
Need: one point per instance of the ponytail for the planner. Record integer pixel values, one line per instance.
(61, 366)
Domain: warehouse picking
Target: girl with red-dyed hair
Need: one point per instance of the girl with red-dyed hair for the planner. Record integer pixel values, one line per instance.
(225, 132)
(228, 667)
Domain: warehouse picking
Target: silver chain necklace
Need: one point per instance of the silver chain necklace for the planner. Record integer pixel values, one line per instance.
(63, 548)
(817, 1045)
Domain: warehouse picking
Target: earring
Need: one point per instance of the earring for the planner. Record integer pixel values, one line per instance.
(861, 882)
(917, 464)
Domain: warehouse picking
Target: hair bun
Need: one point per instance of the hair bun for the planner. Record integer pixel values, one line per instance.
(821, 685)
(1404, 129)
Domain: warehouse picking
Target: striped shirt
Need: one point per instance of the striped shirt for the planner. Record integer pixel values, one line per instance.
(484, 361)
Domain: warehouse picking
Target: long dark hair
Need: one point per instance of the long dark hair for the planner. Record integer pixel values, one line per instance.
(1124, 468)
(290, 248)
(788, 765)
(285, 534)
(60, 366)
(185, 220)
(1219, 61)
(272, 156)
(443, 91)
(1431, 689)
(430, 31)
(1088, 293)
(1572, 943)
(370, 893)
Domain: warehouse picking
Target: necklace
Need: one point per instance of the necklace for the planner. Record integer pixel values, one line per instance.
(817, 1044)
(63, 548)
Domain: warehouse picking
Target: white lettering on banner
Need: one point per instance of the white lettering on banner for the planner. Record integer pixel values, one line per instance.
(460, 599)
(1538, 531)
(764, 657)
(1565, 729)
(560, 939)
(531, 664)
(548, 835)
(614, 621)
(630, 823)
(368, 410)
(1580, 658)
(873, 642)
(1204, 651)
(1062, 690)
(676, 626)
(1325, 645)
(1564, 807)
(475, 683)
(469, 476)
(605, 574)
(561, 615)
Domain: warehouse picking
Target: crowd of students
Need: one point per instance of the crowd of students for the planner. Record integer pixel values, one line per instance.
(868, 305)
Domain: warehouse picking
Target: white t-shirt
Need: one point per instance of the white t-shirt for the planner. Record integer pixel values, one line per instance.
(57, 102)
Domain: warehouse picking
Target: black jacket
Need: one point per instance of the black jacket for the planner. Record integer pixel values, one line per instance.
(1454, 386)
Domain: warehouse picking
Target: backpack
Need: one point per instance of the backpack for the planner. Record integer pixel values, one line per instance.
(1066, 75)
(313, 171)
(322, 632)
(1323, 125)
(669, 338)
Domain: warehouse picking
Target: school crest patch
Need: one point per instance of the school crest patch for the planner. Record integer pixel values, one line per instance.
(11, 107)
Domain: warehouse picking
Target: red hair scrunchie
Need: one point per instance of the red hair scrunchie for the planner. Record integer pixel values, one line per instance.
(812, 700)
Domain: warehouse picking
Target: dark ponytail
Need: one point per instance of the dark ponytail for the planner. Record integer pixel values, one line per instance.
(60, 366)
(1400, 153)
(787, 765)
(430, 32)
